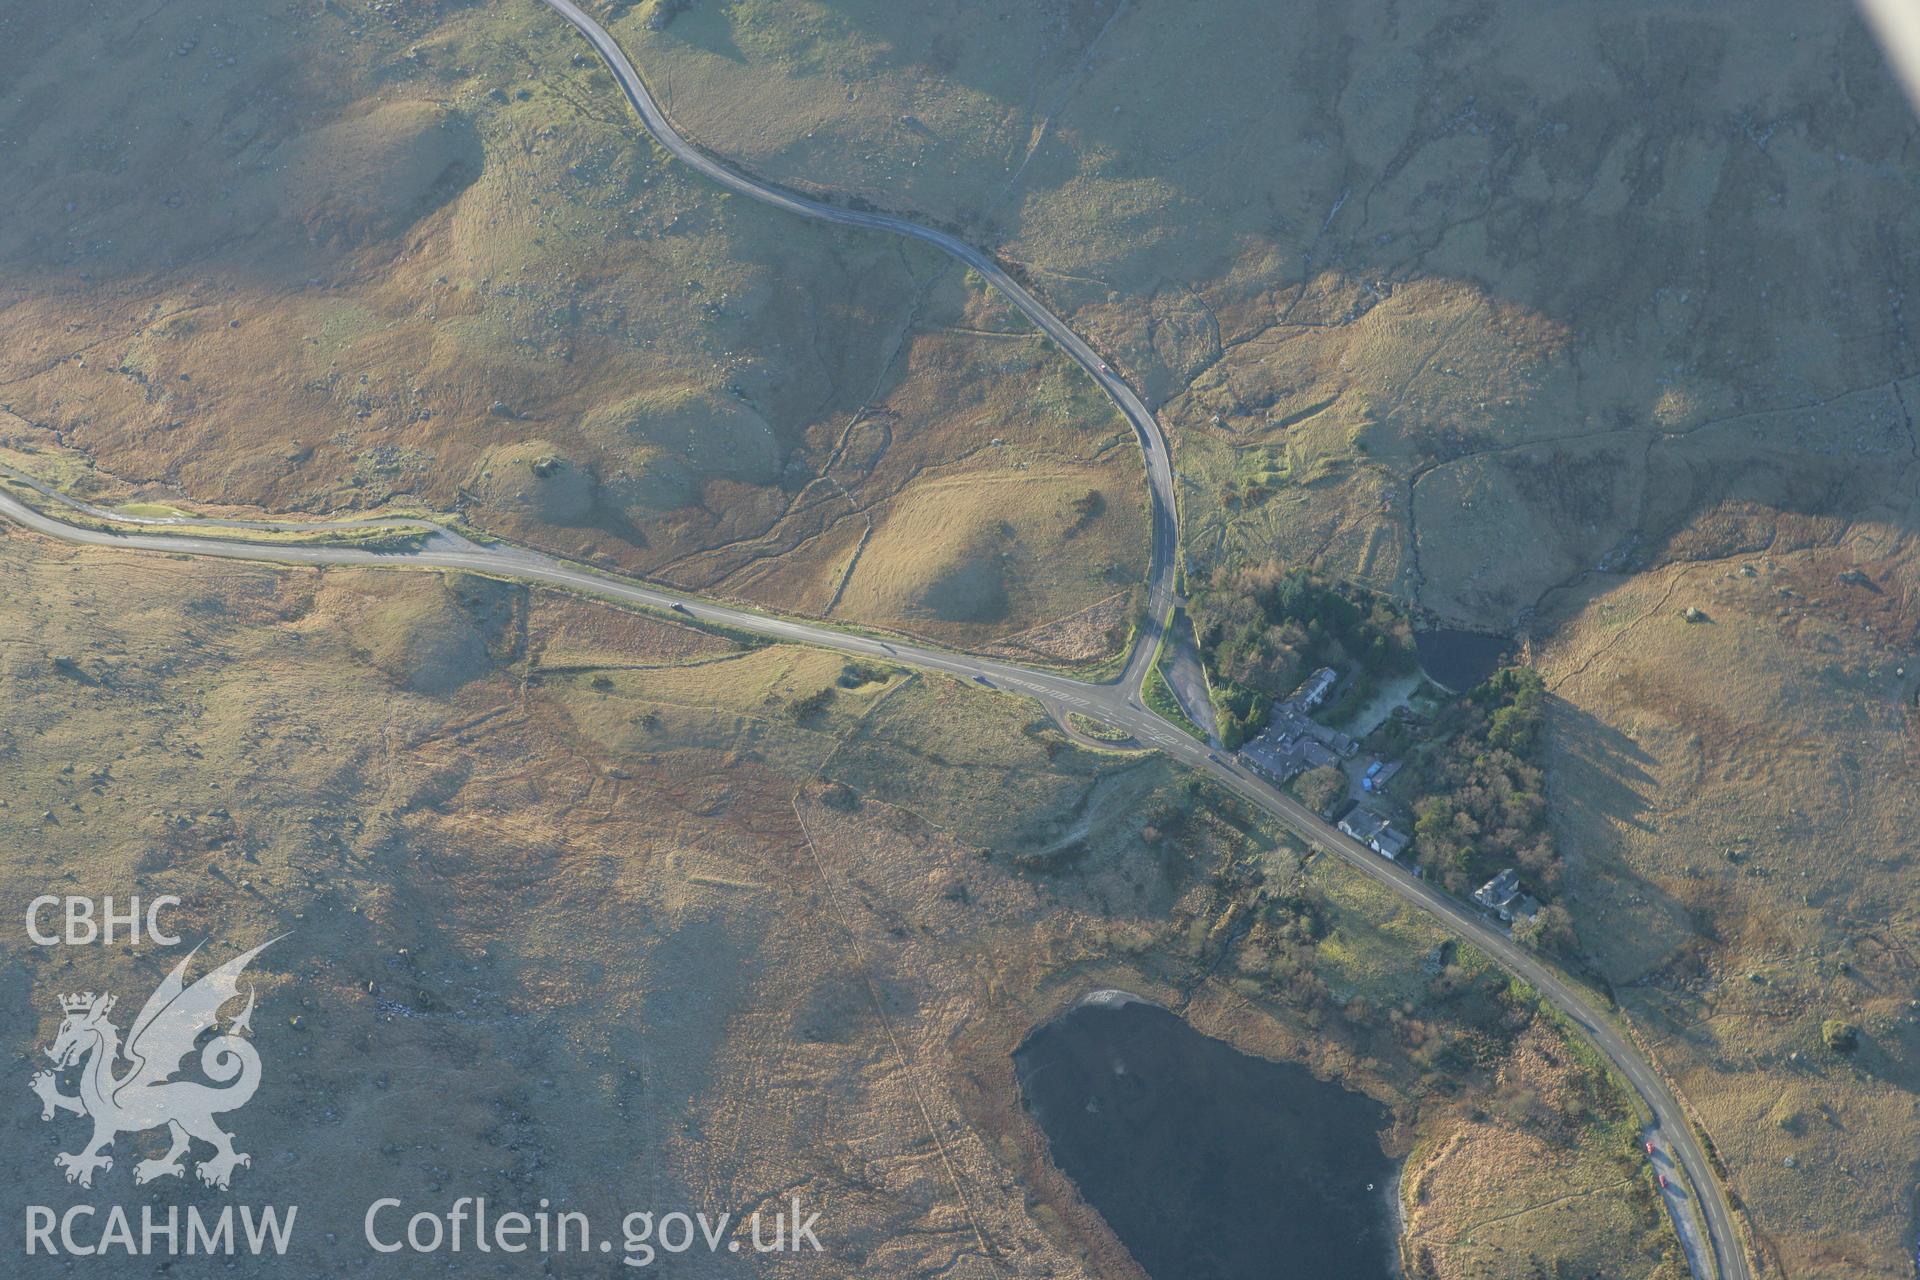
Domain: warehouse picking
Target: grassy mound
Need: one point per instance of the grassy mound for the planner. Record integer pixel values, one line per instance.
(968, 589)
(939, 555)
(959, 557)
(424, 643)
(534, 480)
(673, 440)
(368, 177)
(427, 633)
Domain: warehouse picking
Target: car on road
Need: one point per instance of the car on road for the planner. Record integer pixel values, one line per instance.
(1103, 367)
(983, 680)
(1663, 1180)
(680, 608)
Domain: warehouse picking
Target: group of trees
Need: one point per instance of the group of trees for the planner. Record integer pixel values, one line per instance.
(1321, 789)
(1482, 805)
(1262, 629)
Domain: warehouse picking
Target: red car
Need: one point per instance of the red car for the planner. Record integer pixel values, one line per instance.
(1663, 1181)
(1649, 1148)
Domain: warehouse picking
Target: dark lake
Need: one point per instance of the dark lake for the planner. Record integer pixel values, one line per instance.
(1459, 660)
(1208, 1163)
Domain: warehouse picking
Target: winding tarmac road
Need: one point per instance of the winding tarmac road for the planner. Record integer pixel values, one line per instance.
(1120, 704)
(1117, 703)
(1146, 428)
(1113, 703)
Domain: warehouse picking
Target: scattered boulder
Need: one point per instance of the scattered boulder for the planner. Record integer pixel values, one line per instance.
(1840, 1035)
(1855, 578)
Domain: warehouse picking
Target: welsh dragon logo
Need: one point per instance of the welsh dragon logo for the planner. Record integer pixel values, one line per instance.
(145, 1096)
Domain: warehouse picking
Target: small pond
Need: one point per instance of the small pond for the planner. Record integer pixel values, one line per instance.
(1459, 660)
(1209, 1163)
